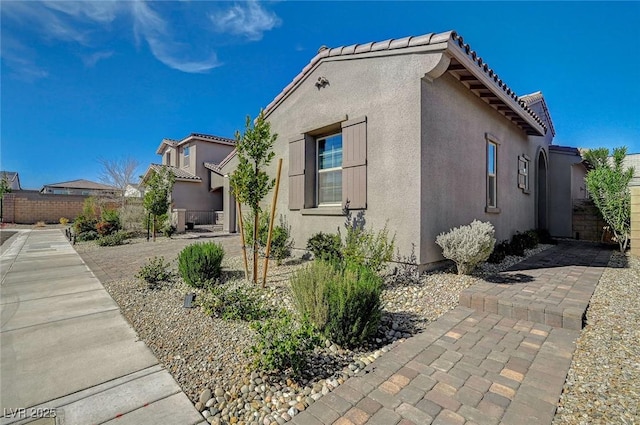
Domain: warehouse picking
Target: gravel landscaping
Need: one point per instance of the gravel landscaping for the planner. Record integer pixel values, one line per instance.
(208, 356)
(603, 384)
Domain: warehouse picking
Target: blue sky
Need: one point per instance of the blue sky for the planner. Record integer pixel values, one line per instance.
(102, 79)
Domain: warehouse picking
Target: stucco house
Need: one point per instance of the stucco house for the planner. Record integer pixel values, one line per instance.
(194, 161)
(12, 179)
(80, 187)
(419, 133)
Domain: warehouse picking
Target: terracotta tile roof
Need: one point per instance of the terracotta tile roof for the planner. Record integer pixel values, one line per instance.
(200, 136)
(447, 39)
(213, 167)
(530, 99)
(178, 172)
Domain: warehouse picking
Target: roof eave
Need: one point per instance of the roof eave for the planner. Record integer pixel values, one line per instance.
(503, 94)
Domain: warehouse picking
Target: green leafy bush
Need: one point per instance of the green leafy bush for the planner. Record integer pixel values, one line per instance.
(200, 263)
(282, 343)
(88, 235)
(325, 246)
(366, 247)
(342, 301)
(355, 306)
(281, 242)
(468, 245)
(113, 239)
(154, 272)
(234, 304)
(500, 251)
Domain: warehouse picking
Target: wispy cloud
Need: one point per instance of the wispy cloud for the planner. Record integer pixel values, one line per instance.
(20, 59)
(91, 60)
(247, 19)
(90, 24)
(149, 25)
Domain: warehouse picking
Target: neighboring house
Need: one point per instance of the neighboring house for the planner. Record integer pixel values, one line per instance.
(133, 191)
(193, 160)
(567, 171)
(80, 187)
(13, 180)
(418, 133)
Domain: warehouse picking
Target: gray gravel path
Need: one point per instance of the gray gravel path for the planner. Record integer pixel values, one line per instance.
(603, 384)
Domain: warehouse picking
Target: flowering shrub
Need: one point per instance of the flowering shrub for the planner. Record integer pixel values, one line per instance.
(468, 245)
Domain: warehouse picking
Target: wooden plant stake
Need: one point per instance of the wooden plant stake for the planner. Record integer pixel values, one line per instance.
(271, 220)
(244, 246)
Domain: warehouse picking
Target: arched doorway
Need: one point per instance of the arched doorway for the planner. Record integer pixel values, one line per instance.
(541, 191)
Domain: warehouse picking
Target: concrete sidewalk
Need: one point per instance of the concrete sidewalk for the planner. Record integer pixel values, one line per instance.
(65, 346)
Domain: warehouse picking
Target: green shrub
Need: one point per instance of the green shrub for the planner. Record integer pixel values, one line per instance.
(281, 242)
(282, 343)
(500, 251)
(308, 286)
(325, 246)
(89, 235)
(105, 228)
(354, 306)
(342, 301)
(545, 237)
(83, 224)
(517, 245)
(366, 247)
(200, 263)
(234, 304)
(154, 272)
(468, 245)
(113, 239)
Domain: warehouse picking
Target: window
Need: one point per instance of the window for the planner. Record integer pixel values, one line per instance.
(168, 158)
(523, 173)
(329, 166)
(492, 181)
(185, 155)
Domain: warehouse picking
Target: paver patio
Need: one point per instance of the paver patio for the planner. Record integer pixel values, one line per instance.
(474, 366)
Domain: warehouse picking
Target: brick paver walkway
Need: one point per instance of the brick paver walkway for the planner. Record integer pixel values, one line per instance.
(474, 366)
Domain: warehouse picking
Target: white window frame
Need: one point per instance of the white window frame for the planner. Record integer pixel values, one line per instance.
(491, 207)
(524, 170)
(185, 155)
(318, 171)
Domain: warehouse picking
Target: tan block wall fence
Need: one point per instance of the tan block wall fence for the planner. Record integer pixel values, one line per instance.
(587, 223)
(30, 207)
(635, 221)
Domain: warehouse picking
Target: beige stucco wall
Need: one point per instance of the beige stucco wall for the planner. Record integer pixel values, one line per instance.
(563, 191)
(386, 91)
(426, 150)
(453, 152)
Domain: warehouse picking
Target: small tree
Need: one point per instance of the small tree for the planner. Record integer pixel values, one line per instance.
(157, 197)
(608, 185)
(250, 183)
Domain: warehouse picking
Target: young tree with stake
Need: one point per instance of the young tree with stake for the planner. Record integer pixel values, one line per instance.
(250, 182)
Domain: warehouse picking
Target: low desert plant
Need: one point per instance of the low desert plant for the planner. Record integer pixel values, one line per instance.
(500, 251)
(282, 343)
(113, 239)
(468, 245)
(154, 272)
(367, 247)
(342, 301)
(234, 304)
(281, 242)
(308, 286)
(325, 246)
(199, 264)
(407, 271)
(89, 235)
(64, 221)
